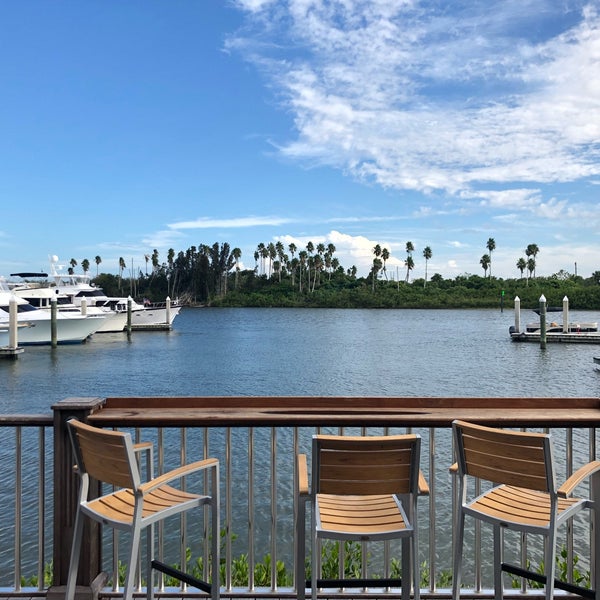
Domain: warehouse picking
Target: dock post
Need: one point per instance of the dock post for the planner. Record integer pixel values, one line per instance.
(565, 315)
(53, 317)
(83, 307)
(542, 321)
(129, 304)
(13, 325)
(517, 314)
(168, 311)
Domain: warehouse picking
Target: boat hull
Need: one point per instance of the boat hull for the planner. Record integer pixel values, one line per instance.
(68, 331)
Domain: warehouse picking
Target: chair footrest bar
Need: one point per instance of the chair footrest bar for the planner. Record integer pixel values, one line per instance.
(355, 583)
(561, 585)
(181, 576)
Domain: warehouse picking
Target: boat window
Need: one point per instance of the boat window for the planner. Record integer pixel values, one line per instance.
(25, 308)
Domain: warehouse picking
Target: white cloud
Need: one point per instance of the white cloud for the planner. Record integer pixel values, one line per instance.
(416, 97)
(208, 223)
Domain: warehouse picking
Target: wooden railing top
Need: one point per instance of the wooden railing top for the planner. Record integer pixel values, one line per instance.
(242, 411)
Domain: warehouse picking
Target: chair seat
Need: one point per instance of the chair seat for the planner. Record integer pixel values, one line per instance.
(520, 506)
(119, 506)
(368, 516)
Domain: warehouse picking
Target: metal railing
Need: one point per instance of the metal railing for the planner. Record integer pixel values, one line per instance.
(258, 492)
(26, 495)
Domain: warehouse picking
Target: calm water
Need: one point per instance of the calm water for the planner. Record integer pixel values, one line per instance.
(306, 352)
(298, 352)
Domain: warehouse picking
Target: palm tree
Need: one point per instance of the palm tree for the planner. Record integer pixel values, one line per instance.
(410, 265)
(409, 261)
(303, 256)
(85, 265)
(385, 254)
(377, 264)
(521, 265)
(146, 258)
(531, 252)
(530, 268)
(259, 250)
(121, 269)
(237, 254)
(281, 256)
(294, 262)
(310, 248)
(98, 260)
(491, 246)
(426, 255)
(485, 263)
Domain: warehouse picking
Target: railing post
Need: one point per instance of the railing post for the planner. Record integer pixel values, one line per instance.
(66, 486)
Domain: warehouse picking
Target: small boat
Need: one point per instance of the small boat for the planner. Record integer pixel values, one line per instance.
(554, 327)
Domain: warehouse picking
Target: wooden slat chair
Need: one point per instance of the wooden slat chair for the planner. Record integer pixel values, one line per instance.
(110, 457)
(363, 489)
(523, 497)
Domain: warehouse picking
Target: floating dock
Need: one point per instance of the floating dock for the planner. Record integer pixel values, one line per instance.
(543, 332)
(565, 338)
(8, 352)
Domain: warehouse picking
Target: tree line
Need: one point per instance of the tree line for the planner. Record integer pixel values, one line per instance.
(313, 276)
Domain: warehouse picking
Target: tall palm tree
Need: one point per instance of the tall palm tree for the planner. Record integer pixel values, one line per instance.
(530, 268)
(294, 262)
(272, 256)
(521, 265)
(485, 263)
(377, 264)
(85, 265)
(237, 254)
(531, 252)
(146, 258)
(410, 265)
(409, 261)
(426, 255)
(303, 256)
(310, 248)
(491, 246)
(121, 269)
(385, 254)
(98, 260)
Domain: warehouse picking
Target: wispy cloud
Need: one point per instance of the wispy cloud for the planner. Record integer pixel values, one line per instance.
(415, 96)
(241, 222)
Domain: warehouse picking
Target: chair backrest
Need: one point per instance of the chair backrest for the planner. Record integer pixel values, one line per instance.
(353, 465)
(105, 455)
(515, 458)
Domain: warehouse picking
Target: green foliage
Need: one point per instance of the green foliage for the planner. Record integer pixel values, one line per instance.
(208, 275)
(562, 572)
(32, 582)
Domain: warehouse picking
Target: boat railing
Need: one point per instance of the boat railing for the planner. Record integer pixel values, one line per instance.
(256, 440)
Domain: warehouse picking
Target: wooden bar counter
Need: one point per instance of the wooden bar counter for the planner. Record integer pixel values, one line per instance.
(240, 411)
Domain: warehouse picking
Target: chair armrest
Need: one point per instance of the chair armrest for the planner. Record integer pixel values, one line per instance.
(302, 476)
(178, 473)
(148, 448)
(142, 447)
(423, 485)
(582, 473)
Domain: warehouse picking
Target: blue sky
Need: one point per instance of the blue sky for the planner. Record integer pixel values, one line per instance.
(139, 125)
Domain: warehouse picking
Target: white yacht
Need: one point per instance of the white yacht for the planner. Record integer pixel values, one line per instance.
(35, 325)
(41, 295)
(143, 316)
